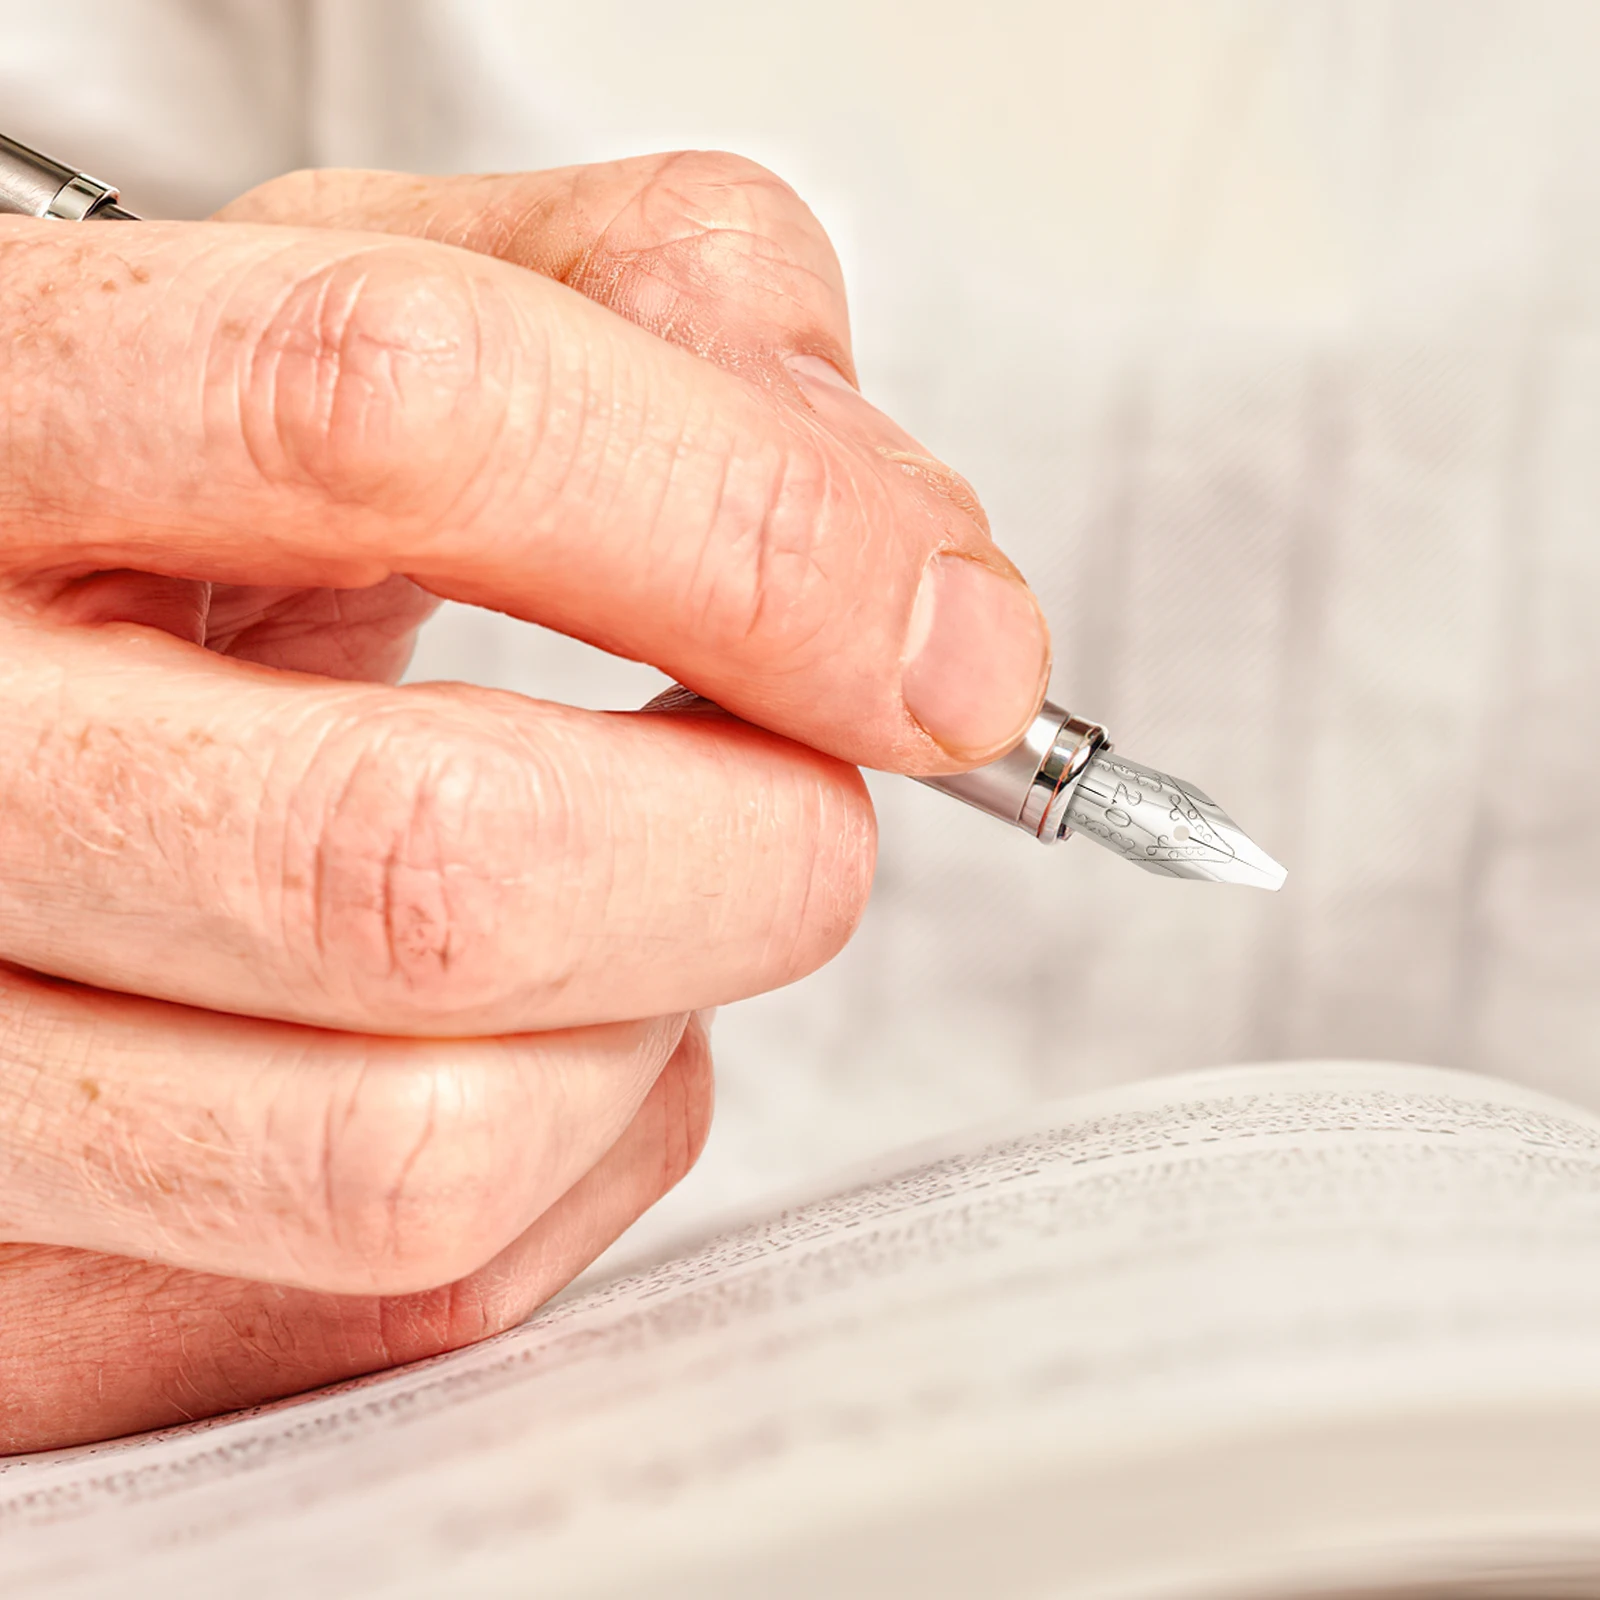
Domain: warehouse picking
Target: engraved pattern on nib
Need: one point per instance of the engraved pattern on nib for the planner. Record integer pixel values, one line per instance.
(1166, 826)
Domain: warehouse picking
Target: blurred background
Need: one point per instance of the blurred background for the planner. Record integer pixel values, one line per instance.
(1270, 335)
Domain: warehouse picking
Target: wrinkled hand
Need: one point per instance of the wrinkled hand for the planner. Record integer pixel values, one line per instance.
(320, 1037)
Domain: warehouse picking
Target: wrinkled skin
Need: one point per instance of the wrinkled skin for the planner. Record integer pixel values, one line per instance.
(342, 1023)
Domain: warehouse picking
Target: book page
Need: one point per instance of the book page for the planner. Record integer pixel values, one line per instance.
(1256, 1327)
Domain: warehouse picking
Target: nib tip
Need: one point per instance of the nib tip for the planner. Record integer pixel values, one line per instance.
(1166, 826)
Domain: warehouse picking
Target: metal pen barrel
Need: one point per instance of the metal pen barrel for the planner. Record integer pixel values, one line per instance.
(32, 185)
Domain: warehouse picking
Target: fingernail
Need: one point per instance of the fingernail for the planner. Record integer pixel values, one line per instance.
(842, 407)
(976, 658)
(840, 404)
(808, 370)
(705, 1017)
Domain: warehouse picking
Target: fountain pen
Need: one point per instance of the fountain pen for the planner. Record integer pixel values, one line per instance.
(1063, 778)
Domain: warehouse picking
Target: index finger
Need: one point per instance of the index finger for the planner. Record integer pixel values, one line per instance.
(271, 405)
(708, 250)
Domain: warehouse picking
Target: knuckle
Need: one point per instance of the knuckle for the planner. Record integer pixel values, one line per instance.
(768, 585)
(411, 1190)
(413, 833)
(371, 378)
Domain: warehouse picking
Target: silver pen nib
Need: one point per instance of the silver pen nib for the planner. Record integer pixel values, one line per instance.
(1165, 825)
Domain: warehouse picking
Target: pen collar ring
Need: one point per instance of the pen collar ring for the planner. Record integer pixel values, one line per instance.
(1076, 744)
(80, 197)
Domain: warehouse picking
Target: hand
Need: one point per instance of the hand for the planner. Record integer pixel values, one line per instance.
(343, 1023)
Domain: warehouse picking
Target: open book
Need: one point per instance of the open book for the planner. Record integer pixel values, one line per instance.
(1325, 1329)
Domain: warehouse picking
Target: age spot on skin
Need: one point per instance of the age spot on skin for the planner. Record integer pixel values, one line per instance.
(91, 1089)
